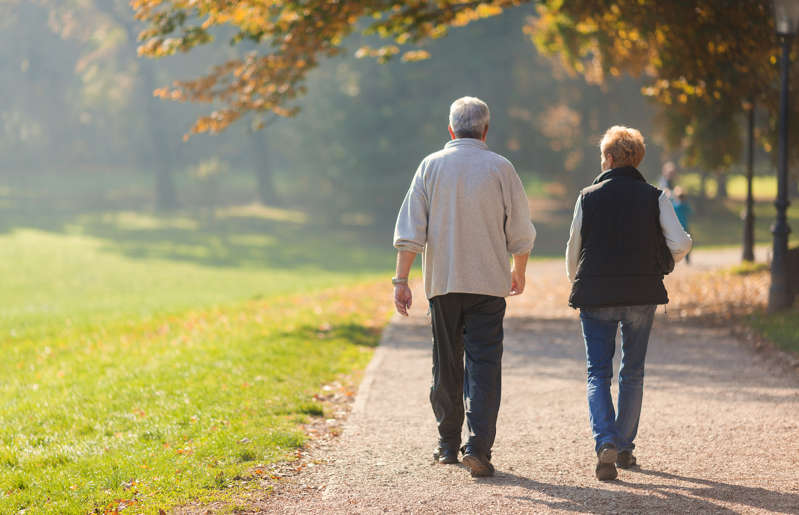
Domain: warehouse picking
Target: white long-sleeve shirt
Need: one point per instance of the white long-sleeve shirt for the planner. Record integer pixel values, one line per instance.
(678, 241)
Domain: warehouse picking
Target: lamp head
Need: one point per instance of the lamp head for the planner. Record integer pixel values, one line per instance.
(786, 17)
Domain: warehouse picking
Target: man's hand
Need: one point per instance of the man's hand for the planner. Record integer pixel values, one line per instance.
(402, 293)
(402, 298)
(517, 274)
(516, 282)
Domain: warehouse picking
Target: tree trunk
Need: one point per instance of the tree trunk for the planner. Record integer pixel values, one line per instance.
(166, 198)
(721, 186)
(160, 159)
(703, 184)
(165, 191)
(263, 172)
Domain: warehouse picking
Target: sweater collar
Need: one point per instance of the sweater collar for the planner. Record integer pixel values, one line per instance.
(623, 172)
(466, 142)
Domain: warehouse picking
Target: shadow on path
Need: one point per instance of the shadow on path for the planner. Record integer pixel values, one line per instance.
(675, 494)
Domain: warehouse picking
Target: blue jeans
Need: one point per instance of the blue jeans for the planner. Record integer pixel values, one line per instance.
(599, 331)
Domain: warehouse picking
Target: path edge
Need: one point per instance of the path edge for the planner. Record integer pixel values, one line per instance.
(370, 373)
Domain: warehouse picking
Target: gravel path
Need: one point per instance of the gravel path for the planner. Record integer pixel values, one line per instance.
(719, 430)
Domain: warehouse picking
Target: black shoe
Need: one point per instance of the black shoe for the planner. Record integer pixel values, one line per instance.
(445, 456)
(626, 460)
(606, 462)
(478, 465)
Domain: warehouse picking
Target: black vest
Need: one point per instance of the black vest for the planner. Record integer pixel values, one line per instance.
(624, 254)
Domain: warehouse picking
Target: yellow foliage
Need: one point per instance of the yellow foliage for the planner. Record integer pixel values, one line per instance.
(488, 10)
(415, 55)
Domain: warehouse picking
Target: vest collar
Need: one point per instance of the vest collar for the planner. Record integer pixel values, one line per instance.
(623, 172)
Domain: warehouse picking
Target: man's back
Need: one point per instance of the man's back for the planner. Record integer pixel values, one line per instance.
(467, 210)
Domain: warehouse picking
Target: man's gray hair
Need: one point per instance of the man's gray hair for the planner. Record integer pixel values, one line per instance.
(468, 117)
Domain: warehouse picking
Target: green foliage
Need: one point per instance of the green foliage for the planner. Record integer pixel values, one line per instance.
(707, 132)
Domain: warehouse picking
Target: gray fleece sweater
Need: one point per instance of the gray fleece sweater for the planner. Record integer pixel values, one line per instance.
(467, 211)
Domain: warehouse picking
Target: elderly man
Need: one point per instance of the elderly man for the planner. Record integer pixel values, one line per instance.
(467, 212)
(624, 238)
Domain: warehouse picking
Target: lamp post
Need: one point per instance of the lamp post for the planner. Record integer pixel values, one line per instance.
(749, 212)
(786, 13)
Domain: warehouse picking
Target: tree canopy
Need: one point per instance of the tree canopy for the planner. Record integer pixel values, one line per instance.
(297, 35)
(702, 60)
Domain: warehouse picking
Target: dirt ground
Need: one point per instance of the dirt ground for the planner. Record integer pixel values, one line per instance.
(719, 431)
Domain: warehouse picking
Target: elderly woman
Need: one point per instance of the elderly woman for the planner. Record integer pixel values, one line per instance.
(624, 238)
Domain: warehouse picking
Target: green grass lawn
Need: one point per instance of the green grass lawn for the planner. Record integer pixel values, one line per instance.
(763, 186)
(717, 223)
(780, 328)
(152, 361)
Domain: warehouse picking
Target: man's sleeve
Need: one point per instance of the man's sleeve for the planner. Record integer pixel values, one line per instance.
(575, 244)
(410, 232)
(519, 230)
(678, 241)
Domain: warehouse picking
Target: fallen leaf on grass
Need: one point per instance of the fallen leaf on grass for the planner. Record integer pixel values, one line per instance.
(114, 507)
(128, 484)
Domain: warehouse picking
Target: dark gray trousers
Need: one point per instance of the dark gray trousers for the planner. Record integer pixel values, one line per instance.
(469, 324)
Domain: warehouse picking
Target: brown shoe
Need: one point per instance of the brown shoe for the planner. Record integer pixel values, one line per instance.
(626, 460)
(606, 462)
(479, 466)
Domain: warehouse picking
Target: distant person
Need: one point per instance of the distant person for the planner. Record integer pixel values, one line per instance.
(624, 238)
(668, 176)
(684, 212)
(467, 212)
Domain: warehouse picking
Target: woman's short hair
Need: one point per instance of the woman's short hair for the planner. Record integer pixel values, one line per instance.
(625, 146)
(468, 117)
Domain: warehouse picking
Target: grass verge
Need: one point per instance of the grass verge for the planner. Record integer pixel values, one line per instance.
(735, 296)
(780, 328)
